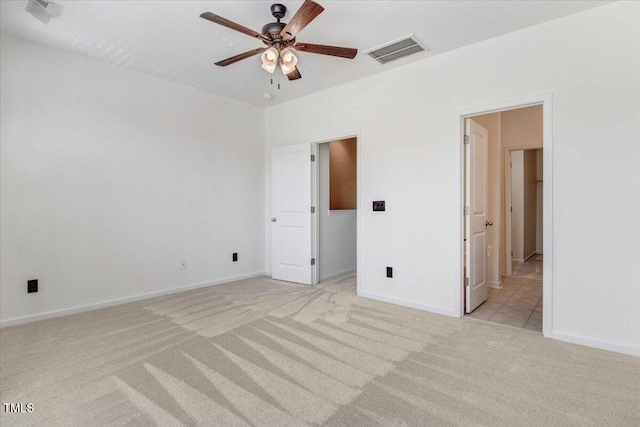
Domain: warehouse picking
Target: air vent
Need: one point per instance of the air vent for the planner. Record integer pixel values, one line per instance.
(41, 9)
(396, 49)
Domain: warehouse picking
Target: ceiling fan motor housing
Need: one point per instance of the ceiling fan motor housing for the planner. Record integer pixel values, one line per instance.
(278, 11)
(273, 28)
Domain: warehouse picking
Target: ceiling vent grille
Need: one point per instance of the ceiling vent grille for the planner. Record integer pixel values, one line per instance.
(41, 9)
(397, 49)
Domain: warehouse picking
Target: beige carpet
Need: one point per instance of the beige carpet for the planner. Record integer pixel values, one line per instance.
(265, 353)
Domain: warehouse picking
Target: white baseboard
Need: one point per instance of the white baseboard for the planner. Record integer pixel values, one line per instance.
(406, 303)
(79, 309)
(338, 274)
(530, 255)
(595, 343)
(495, 285)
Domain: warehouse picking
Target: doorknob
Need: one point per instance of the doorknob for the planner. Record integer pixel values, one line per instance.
(273, 219)
(486, 224)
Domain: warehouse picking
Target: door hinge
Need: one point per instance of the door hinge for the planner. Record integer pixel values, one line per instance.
(313, 261)
(313, 209)
(466, 210)
(466, 139)
(466, 281)
(313, 157)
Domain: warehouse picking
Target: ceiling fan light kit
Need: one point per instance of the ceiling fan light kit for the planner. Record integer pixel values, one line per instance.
(288, 60)
(270, 59)
(280, 37)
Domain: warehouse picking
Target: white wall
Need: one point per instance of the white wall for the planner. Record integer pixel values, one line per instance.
(337, 231)
(517, 205)
(405, 116)
(111, 177)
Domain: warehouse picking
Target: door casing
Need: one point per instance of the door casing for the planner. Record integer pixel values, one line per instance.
(544, 99)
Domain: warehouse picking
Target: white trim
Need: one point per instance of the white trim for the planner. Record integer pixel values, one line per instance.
(342, 212)
(338, 274)
(407, 303)
(315, 197)
(546, 100)
(527, 258)
(532, 254)
(507, 204)
(89, 307)
(596, 343)
(495, 285)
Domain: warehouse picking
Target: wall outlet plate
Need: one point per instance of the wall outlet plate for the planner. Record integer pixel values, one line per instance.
(378, 206)
(32, 286)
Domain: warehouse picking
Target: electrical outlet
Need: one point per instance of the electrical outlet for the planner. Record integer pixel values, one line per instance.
(390, 272)
(32, 286)
(378, 206)
(183, 264)
(235, 257)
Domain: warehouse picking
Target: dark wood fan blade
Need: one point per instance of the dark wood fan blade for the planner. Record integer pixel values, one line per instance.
(294, 75)
(307, 13)
(342, 52)
(240, 57)
(230, 24)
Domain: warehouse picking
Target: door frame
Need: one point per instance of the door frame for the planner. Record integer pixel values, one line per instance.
(546, 100)
(507, 204)
(315, 201)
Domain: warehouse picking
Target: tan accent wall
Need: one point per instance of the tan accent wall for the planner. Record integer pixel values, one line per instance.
(343, 174)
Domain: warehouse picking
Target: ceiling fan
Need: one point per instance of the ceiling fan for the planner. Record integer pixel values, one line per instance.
(280, 38)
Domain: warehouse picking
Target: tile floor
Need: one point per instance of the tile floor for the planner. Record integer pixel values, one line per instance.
(519, 302)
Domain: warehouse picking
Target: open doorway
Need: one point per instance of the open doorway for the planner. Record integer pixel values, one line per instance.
(336, 210)
(299, 202)
(503, 225)
(524, 224)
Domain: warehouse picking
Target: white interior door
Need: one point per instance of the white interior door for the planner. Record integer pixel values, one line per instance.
(291, 213)
(476, 215)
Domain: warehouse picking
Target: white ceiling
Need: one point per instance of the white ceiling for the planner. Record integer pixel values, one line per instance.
(168, 39)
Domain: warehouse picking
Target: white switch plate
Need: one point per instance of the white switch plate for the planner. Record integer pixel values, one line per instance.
(183, 264)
